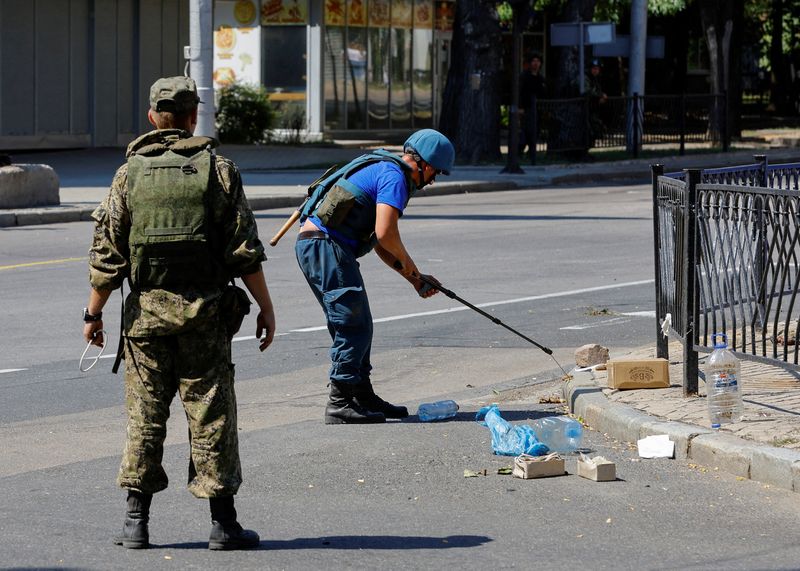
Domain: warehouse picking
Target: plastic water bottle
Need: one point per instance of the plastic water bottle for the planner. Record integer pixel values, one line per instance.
(723, 384)
(559, 433)
(438, 410)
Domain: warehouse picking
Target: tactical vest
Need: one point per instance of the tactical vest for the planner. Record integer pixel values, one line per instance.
(172, 244)
(344, 207)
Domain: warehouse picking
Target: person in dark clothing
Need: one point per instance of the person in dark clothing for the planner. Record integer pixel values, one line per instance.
(532, 86)
(598, 100)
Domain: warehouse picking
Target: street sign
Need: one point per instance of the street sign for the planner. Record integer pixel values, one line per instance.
(621, 47)
(593, 33)
(582, 34)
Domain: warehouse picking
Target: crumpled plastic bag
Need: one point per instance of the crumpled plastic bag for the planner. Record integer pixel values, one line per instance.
(508, 439)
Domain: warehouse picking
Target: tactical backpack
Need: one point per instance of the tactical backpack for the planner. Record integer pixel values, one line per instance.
(344, 207)
(171, 240)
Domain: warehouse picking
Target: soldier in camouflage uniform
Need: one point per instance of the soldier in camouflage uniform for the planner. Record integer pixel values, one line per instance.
(177, 225)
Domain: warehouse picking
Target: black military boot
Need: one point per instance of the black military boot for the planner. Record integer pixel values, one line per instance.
(135, 534)
(366, 398)
(343, 408)
(226, 533)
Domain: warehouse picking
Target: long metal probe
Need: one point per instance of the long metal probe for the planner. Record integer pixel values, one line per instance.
(452, 295)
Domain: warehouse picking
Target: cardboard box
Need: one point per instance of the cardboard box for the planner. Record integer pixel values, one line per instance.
(638, 374)
(598, 469)
(528, 467)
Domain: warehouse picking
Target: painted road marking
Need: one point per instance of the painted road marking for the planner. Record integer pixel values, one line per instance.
(595, 324)
(489, 304)
(251, 337)
(651, 314)
(43, 263)
(441, 311)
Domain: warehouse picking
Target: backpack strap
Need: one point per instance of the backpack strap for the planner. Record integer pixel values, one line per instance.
(121, 345)
(334, 175)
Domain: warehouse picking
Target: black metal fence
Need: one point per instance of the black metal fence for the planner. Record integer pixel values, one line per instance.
(727, 260)
(578, 124)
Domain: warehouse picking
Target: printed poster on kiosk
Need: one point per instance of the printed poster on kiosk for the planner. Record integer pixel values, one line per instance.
(237, 42)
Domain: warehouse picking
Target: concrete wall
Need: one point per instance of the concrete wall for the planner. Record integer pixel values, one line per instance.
(76, 73)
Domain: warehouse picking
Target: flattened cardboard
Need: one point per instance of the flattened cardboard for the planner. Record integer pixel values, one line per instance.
(529, 467)
(638, 374)
(603, 471)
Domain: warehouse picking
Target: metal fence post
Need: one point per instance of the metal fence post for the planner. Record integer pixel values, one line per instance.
(682, 124)
(635, 125)
(662, 347)
(724, 121)
(587, 130)
(689, 285)
(534, 129)
(760, 237)
(762, 170)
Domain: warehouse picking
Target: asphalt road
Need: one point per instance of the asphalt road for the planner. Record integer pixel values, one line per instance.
(564, 266)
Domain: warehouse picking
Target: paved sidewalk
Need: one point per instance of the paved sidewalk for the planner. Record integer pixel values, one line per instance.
(763, 446)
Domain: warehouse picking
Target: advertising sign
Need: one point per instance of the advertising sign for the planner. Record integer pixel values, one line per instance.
(237, 42)
(334, 12)
(284, 12)
(357, 13)
(423, 14)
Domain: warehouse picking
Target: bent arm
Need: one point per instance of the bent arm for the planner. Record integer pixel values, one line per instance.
(390, 246)
(392, 252)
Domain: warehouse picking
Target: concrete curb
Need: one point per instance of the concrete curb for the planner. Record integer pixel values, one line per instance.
(775, 466)
(590, 178)
(56, 214)
(52, 215)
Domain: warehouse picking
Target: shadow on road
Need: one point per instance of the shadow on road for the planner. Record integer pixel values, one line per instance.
(509, 415)
(356, 542)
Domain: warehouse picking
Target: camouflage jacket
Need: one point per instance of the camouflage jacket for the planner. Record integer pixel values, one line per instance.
(155, 312)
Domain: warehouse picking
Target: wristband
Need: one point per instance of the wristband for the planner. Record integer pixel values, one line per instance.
(89, 318)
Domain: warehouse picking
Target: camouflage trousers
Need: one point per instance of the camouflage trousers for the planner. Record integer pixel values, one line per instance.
(197, 365)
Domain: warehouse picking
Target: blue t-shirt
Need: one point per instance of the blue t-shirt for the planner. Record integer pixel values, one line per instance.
(384, 182)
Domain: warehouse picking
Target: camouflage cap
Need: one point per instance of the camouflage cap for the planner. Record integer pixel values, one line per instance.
(175, 94)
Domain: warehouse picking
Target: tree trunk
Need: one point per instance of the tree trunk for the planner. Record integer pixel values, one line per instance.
(471, 101)
(735, 74)
(717, 17)
(779, 82)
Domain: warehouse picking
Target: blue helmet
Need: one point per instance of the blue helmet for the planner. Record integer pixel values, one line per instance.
(433, 148)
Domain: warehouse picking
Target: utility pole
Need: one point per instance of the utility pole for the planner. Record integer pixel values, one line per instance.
(636, 62)
(201, 58)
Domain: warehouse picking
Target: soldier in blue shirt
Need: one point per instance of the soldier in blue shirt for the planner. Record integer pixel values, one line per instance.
(358, 212)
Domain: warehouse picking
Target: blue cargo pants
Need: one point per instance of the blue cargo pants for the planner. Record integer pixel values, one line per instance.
(333, 273)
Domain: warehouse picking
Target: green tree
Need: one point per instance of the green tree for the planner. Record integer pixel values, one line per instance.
(471, 102)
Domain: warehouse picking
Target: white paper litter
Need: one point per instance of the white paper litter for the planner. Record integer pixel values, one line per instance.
(656, 446)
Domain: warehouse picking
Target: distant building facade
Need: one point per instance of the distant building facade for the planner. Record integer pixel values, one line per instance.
(76, 73)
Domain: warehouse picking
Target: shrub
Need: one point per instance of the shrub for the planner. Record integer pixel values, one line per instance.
(292, 122)
(244, 114)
